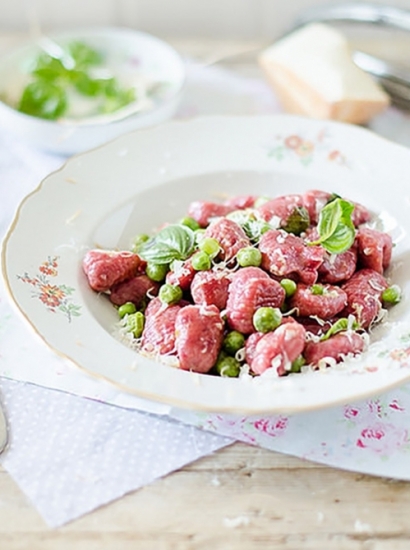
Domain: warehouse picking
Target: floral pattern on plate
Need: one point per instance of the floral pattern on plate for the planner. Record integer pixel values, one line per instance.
(306, 149)
(55, 297)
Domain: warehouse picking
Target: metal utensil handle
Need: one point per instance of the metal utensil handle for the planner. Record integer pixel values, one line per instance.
(358, 12)
(3, 430)
(382, 69)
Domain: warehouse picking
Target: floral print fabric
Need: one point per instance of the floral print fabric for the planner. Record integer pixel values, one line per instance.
(372, 436)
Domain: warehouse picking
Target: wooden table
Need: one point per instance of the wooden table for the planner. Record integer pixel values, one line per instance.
(241, 498)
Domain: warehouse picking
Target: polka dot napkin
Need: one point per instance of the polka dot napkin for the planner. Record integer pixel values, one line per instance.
(70, 454)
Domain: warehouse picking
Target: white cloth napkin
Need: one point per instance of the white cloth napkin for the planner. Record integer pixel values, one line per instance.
(70, 454)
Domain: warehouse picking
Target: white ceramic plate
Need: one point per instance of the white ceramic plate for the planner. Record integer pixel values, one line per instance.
(135, 183)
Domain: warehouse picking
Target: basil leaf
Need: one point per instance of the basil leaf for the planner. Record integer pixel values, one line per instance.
(49, 68)
(329, 219)
(54, 76)
(114, 102)
(341, 325)
(43, 99)
(111, 88)
(336, 229)
(179, 237)
(298, 221)
(333, 197)
(83, 55)
(341, 240)
(174, 242)
(346, 208)
(158, 254)
(88, 86)
(254, 229)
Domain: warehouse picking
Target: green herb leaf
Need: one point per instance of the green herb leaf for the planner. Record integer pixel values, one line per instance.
(333, 197)
(122, 98)
(88, 86)
(341, 325)
(298, 221)
(55, 76)
(341, 240)
(49, 68)
(83, 55)
(111, 88)
(174, 242)
(254, 229)
(43, 99)
(335, 227)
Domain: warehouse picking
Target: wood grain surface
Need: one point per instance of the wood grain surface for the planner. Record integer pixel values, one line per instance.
(240, 498)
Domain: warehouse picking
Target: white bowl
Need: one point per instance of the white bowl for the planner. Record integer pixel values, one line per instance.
(126, 50)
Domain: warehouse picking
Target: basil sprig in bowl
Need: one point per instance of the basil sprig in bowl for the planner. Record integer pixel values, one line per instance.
(72, 91)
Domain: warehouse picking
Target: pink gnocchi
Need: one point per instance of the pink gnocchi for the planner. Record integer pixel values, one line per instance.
(252, 284)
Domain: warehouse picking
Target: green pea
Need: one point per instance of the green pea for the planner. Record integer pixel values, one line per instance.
(289, 287)
(170, 294)
(126, 309)
(233, 342)
(391, 295)
(190, 222)
(139, 241)
(316, 290)
(156, 272)
(210, 246)
(200, 261)
(249, 256)
(266, 319)
(135, 323)
(297, 364)
(228, 366)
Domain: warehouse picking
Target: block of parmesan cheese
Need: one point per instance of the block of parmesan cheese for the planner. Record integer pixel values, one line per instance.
(312, 73)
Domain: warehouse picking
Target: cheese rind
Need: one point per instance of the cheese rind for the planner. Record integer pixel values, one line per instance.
(312, 73)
